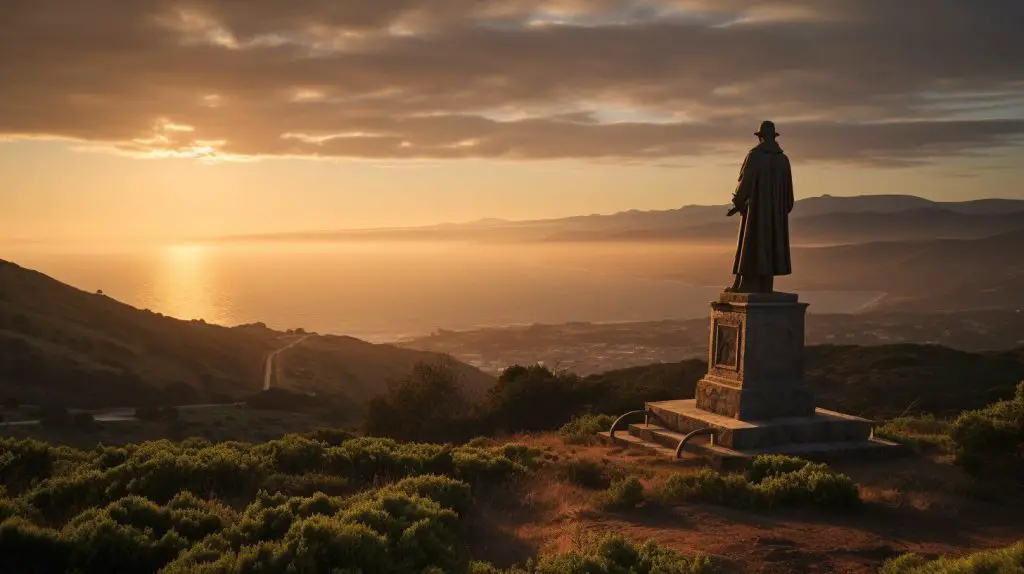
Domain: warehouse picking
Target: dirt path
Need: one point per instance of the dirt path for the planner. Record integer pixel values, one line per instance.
(272, 366)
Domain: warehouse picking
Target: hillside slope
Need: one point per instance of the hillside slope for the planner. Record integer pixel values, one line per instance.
(62, 345)
(327, 363)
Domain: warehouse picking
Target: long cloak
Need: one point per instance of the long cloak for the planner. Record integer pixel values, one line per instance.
(764, 196)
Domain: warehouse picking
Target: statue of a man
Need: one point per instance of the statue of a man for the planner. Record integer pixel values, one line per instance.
(764, 198)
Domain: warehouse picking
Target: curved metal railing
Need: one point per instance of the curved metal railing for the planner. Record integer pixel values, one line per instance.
(701, 431)
(615, 425)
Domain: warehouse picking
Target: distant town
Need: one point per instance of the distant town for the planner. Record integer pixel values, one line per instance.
(587, 348)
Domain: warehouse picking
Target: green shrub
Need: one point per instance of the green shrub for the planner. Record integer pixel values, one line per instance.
(410, 526)
(481, 442)
(623, 494)
(587, 473)
(1008, 560)
(429, 405)
(583, 429)
(62, 482)
(773, 481)
(527, 456)
(306, 484)
(24, 462)
(925, 434)
(477, 465)
(707, 486)
(990, 442)
(329, 436)
(766, 466)
(27, 548)
(610, 555)
(813, 485)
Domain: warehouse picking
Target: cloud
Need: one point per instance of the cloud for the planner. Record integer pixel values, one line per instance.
(879, 82)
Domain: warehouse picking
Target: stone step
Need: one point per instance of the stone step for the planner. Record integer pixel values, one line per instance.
(663, 442)
(666, 438)
(683, 416)
(836, 451)
(626, 439)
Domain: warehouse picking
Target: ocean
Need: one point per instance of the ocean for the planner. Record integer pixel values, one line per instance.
(386, 291)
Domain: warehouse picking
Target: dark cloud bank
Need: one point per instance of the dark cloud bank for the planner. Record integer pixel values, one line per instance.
(888, 82)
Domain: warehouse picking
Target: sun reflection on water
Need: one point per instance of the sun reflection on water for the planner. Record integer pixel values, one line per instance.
(185, 284)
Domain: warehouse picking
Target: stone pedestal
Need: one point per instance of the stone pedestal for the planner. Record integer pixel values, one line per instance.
(756, 358)
(753, 399)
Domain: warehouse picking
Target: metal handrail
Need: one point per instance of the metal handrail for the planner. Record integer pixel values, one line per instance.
(701, 431)
(615, 425)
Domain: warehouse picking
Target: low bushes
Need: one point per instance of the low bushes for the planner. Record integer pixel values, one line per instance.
(623, 494)
(588, 473)
(990, 442)
(611, 555)
(773, 481)
(409, 526)
(60, 482)
(924, 434)
(391, 507)
(1006, 560)
(583, 429)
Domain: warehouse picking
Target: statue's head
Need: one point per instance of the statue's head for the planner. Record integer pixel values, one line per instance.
(767, 131)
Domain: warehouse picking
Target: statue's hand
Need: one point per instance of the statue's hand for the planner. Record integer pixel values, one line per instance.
(732, 212)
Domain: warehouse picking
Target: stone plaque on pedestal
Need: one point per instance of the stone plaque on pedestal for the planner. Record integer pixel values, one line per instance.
(755, 359)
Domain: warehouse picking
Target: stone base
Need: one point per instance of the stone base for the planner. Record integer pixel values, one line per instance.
(825, 436)
(824, 426)
(755, 358)
(658, 441)
(721, 398)
(753, 399)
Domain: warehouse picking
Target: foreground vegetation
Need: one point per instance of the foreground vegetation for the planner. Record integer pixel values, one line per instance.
(773, 481)
(316, 503)
(1008, 560)
(330, 500)
(988, 443)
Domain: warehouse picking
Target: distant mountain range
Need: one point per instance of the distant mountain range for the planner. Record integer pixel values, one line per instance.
(62, 345)
(835, 228)
(824, 219)
(925, 255)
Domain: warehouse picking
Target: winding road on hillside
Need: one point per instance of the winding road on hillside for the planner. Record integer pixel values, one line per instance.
(272, 368)
(120, 414)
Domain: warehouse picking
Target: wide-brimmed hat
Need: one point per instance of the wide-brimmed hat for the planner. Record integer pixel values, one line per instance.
(767, 130)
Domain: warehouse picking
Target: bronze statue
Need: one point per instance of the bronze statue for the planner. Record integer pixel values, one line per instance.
(764, 198)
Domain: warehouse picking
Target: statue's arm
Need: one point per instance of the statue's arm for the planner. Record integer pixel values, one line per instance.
(742, 193)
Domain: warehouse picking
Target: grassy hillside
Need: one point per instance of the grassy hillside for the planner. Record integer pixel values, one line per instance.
(327, 363)
(62, 345)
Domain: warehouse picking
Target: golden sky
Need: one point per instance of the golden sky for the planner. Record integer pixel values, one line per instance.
(190, 118)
